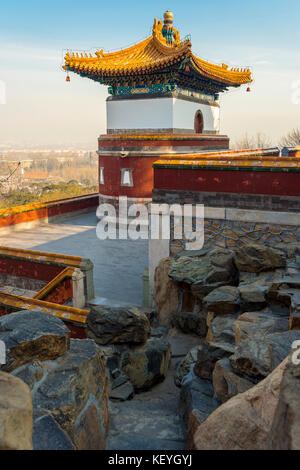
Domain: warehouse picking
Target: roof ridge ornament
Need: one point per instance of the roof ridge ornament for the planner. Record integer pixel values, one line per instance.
(165, 32)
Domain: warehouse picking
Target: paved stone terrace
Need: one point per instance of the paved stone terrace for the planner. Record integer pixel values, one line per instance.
(118, 264)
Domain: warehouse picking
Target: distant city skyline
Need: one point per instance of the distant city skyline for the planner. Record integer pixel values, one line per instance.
(43, 109)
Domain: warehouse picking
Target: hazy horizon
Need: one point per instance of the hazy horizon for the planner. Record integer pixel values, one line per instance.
(42, 109)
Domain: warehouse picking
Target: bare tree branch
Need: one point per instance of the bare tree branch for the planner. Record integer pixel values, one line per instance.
(259, 141)
(4, 180)
(292, 139)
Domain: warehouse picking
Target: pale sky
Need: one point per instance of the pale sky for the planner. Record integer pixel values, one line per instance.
(43, 109)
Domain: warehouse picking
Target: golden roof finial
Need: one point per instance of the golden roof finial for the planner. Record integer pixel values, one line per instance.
(168, 18)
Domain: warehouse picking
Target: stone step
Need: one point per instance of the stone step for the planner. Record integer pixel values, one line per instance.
(105, 302)
(17, 291)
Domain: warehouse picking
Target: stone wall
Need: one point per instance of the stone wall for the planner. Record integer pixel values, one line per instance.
(232, 234)
(231, 228)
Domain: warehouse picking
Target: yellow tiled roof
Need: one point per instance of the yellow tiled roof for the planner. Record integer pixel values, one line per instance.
(149, 55)
(255, 159)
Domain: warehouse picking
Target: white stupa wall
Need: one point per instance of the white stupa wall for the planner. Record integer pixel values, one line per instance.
(184, 114)
(160, 113)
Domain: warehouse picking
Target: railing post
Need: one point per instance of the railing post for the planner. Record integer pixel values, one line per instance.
(78, 288)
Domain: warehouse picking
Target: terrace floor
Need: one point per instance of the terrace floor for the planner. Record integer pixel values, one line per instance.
(118, 264)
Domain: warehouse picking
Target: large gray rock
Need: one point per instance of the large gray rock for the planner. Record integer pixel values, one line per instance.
(147, 364)
(294, 321)
(258, 324)
(253, 296)
(288, 284)
(109, 325)
(245, 421)
(208, 355)
(185, 365)
(166, 293)
(226, 382)
(266, 416)
(264, 278)
(48, 435)
(258, 357)
(15, 414)
(31, 335)
(291, 250)
(286, 291)
(196, 403)
(74, 390)
(223, 301)
(286, 425)
(191, 322)
(221, 328)
(256, 258)
(206, 271)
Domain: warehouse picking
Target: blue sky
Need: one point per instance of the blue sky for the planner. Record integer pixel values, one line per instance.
(41, 108)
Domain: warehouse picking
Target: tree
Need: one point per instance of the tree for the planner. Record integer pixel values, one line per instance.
(258, 141)
(292, 139)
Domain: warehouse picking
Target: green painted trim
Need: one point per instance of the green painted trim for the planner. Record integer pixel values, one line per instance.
(247, 168)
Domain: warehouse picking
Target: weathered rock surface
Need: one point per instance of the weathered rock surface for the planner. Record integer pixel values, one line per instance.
(226, 382)
(291, 250)
(208, 355)
(146, 365)
(264, 278)
(15, 414)
(253, 297)
(48, 435)
(191, 322)
(286, 425)
(286, 291)
(196, 403)
(221, 328)
(107, 325)
(245, 421)
(257, 357)
(121, 387)
(74, 390)
(284, 288)
(223, 301)
(166, 293)
(31, 335)
(294, 320)
(258, 324)
(206, 271)
(185, 365)
(244, 356)
(257, 257)
(123, 392)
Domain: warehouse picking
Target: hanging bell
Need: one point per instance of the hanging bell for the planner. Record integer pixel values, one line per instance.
(248, 89)
(68, 78)
(187, 68)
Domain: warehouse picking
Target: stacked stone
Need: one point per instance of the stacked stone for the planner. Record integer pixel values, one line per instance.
(136, 359)
(244, 305)
(68, 403)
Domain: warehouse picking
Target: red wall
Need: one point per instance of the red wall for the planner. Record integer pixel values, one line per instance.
(28, 213)
(228, 181)
(29, 269)
(127, 143)
(142, 176)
